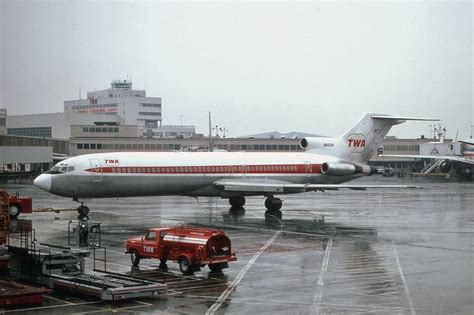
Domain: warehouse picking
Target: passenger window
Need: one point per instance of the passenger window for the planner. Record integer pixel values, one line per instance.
(151, 236)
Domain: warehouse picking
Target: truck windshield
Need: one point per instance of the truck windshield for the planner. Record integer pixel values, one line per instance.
(151, 236)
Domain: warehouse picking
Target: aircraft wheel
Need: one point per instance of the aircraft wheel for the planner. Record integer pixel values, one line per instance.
(14, 210)
(134, 257)
(277, 204)
(185, 266)
(83, 210)
(273, 204)
(237, 202)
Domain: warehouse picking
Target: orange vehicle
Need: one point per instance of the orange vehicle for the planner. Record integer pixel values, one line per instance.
(192, 248)
(17, 204)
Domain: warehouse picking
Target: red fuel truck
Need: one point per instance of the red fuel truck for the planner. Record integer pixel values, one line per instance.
(17, 204)
(192, 248)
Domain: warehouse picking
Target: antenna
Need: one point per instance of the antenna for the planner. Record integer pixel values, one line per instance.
(211, 146)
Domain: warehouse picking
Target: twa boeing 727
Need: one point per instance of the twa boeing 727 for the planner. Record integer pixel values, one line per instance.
(325, 164)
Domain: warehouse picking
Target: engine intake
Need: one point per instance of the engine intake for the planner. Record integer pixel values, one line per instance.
(346, 169)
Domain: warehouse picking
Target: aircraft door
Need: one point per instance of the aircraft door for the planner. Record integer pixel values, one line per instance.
(97, 171)
(309, 168)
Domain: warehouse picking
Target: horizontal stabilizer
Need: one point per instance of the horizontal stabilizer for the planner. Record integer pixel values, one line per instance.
(471, 141)
(402, 118)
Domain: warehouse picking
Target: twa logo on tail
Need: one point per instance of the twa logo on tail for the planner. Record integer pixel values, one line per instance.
(356, 142)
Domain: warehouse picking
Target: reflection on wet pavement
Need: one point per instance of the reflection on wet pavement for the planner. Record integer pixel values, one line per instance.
(339, 252)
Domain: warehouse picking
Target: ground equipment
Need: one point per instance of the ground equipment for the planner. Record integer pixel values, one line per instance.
(192, 248)
(17, 204)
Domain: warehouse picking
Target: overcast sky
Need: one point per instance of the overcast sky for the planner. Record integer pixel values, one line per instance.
(314, 67)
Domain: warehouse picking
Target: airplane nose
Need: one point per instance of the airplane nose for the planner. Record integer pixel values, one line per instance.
(43, 181)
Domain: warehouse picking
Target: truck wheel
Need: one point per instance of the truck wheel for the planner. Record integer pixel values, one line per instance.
(134, 257)
(217, 267)
(14, 210)
(185, 266)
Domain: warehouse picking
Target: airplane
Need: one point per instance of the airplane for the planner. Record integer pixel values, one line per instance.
(465, 160)
(325, 164)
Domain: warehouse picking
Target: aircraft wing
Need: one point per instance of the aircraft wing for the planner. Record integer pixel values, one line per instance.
(283, 187)
(435, 157)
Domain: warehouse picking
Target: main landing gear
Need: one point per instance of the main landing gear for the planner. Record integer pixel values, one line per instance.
(237, 202)
(273, 205)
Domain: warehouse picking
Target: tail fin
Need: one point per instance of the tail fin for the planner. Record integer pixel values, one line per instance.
(364, 139)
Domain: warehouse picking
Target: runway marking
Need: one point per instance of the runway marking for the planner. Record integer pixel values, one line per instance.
(221, 299)
(405, 285)
(324, 267)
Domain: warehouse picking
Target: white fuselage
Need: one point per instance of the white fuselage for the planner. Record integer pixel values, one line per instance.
(123, 174)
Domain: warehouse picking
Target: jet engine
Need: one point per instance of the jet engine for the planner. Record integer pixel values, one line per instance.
(312, 143)
(346, 169)
(445, 166)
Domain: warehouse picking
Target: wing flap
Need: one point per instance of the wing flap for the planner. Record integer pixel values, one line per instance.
(282, 187)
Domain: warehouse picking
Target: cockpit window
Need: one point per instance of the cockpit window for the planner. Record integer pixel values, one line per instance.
(60, 169)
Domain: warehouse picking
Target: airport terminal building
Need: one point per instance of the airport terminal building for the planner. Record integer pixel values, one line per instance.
(132, 107)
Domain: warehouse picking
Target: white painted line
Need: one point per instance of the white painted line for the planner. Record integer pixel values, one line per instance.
(51, 306)
(217, 304)
(56, 299)
(405, 285)
(324, 267)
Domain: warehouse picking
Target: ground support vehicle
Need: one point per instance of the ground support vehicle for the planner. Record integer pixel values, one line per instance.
(192, 248)
(17, 204)
(63, 268)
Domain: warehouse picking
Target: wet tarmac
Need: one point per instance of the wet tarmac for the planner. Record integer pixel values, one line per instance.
(338, 252)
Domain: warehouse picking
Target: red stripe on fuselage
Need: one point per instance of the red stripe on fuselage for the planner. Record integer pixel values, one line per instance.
(215, 169)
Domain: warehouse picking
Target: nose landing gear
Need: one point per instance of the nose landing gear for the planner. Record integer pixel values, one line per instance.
(83, 210)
